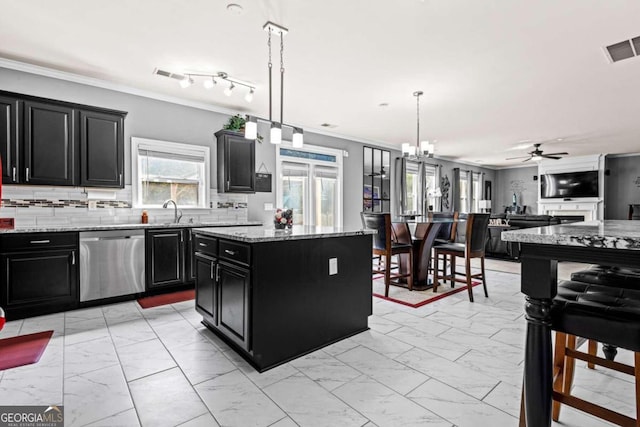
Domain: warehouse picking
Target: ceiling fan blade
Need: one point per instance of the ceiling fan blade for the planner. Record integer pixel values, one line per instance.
(557, 154)
(526, 160)
(548, 156)
(515, 158)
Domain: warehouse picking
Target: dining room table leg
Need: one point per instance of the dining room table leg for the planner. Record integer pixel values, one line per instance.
(539, 284)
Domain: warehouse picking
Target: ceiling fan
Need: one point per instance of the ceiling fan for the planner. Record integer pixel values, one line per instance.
(537, 155)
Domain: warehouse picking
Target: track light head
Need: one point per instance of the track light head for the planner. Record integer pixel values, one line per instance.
(249, 96)
(209, 83)
(228, 91)
(186, 82)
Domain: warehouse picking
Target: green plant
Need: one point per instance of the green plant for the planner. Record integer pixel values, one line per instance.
(235, 123)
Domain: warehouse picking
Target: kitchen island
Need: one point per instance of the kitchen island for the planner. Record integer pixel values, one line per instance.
(609, 242)
(275, 295)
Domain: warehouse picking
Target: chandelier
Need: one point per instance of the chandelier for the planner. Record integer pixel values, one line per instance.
(422, 149)
(251, 125)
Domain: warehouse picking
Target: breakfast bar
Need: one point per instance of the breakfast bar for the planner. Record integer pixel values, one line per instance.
(608, 242)
(274, 295)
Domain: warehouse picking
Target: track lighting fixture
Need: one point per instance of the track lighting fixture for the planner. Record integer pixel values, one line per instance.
(210, 81)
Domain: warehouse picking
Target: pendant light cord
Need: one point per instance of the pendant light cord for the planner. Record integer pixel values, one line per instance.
(418, 122)
(281, 77)
(270, 67)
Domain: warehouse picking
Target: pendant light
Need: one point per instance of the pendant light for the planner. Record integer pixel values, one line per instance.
(422, 149)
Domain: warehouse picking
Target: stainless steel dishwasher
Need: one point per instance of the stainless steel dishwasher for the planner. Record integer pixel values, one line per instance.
(111, 263)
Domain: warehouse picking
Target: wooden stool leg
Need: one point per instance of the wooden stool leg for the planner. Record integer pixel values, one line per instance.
(637, 377)
(570, 366)
(467, 262)
(593, 350)
(484, 280)
(387, 274)
(558, 370)
(452, 261)
(523, 418)
(410, 278)
(436, 270)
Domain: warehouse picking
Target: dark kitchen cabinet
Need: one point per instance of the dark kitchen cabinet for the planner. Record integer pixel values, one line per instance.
(206, 286)
(41, 273)
(49, 144)
(165, 257)
(8, 139)
(236, 162)
(233, 308)
(101, 149)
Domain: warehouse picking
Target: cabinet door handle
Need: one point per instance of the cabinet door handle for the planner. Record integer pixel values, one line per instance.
(217, 272)
(73, 257)
(27, 174)
(120, 179)
(14, 174)
(36, 242)
(203, 244)
(181, 237)
(227, 251)
(211, 272)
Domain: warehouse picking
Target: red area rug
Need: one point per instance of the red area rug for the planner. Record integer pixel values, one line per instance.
(417, 299)
(23, 349)
(172, 298)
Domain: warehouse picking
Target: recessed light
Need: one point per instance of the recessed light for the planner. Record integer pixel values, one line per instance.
(383, 104)
(560, 139)
(235, 9)
(328, 125)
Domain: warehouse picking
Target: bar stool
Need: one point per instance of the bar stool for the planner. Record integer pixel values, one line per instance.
(600, 313)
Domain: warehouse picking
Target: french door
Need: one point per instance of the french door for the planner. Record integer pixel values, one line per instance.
(310, 183)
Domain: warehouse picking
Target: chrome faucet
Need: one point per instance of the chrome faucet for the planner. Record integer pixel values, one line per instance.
(176, 217)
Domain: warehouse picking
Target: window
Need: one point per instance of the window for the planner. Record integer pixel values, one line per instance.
(464, 191)
(476, 194)
(310, 183)
(169, 170)
(430, 185)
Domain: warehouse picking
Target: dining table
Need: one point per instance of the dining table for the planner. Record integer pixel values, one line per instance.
(605, 242)
(421, 234)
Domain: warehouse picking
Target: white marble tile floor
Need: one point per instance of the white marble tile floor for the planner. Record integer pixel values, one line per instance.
(450, 363)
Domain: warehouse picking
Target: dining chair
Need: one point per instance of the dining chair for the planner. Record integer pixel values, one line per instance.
(476, 234)
(386, 248)
(596, 313)
(446, 235)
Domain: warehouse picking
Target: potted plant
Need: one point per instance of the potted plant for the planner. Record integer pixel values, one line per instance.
(235, 123)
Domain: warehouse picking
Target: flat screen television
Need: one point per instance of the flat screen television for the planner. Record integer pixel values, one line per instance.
(569, 185)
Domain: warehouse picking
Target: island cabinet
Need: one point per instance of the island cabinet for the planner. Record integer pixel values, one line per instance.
(40, 273)
(275, 298)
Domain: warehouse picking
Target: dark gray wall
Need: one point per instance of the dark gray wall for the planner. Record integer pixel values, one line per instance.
(622, 186)
(520, 181)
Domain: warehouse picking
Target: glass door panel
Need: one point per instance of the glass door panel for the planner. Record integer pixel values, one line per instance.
(325, 190)
(295, 182)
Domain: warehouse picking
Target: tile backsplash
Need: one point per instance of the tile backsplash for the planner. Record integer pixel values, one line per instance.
(31, 205)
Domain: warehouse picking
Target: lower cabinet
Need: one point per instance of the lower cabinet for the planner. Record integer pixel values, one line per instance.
(233, 295)
(222, 290)
(41, 274)
(165, 257)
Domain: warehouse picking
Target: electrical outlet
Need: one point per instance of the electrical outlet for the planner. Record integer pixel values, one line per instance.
(93, 204)
(333, 266)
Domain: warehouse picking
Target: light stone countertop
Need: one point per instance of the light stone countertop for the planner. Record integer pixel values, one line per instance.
(614, 234)
(105, 227)
(270, 234)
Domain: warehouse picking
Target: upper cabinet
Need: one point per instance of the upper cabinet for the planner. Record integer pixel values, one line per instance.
(101, 149)
(48, 142)
(236, 163)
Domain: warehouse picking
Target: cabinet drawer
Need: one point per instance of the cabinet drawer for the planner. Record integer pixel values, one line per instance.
(206, 245)
(236, 252)
(38, 240)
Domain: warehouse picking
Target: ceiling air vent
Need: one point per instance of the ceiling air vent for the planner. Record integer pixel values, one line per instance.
(168, 74)
(624, 50)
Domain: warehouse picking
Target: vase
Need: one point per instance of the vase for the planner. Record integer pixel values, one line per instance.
(280, 226)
